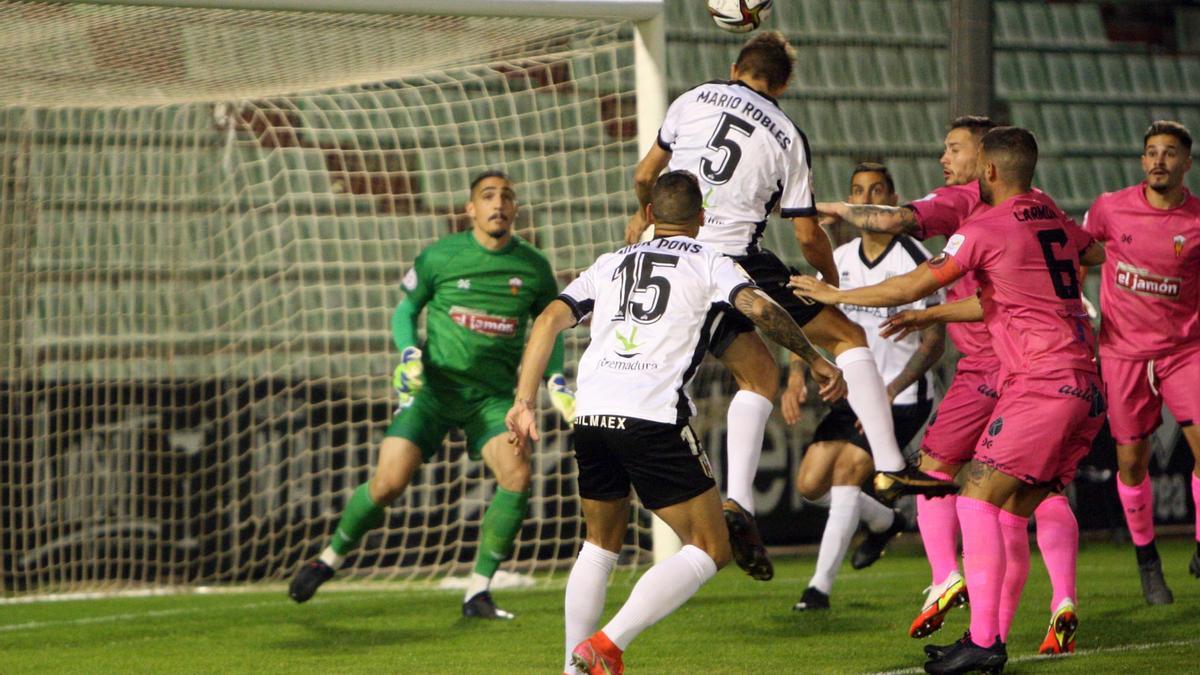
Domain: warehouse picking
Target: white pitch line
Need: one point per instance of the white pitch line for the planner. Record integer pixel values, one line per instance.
(107, 618)
(1137, 647)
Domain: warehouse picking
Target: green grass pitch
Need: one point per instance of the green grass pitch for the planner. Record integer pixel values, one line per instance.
(734, 625)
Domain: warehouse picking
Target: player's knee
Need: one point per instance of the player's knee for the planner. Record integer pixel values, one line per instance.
(854, 466)
(385, 489)
(810, 483)
(515, 478)
(762, 379)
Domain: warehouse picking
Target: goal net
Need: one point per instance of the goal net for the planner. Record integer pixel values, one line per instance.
(204, 219)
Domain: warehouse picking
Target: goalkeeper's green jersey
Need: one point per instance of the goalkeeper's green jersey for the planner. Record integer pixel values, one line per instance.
(479, 304)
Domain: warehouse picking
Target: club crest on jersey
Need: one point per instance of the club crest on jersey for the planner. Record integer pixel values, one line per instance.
(514, 285)
(464, 283)
(1142, 282)
(628, 344)
(483, 323)
(996, 426)
(1178, 240)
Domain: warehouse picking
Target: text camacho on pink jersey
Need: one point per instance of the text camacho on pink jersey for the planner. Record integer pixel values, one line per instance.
(1025, 253)
(1150, 286)
(941, 212)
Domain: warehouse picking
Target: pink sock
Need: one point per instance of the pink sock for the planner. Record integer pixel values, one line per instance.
(1015, 530)
(1196, 502)
(983, 562)
(1138, 502)
(937, 518)
(1058, 539)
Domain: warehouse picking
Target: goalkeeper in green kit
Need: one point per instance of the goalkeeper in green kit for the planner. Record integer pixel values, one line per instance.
(481, 288)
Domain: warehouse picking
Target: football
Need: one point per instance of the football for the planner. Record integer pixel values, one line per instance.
(739, 16)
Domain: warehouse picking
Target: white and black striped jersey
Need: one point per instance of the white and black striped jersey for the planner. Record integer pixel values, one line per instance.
(748, 155)
(901, 256)
(653, 307)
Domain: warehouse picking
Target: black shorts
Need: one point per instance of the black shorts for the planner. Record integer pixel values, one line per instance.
(838, 424)
(772, 276)
(663, 462)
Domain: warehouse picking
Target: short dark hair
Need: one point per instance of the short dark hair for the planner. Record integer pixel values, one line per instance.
(1015, 152)
(875, 167)
(1169, 128)
(978, 125)
(676, 199)
(769, 56)
(490, 173)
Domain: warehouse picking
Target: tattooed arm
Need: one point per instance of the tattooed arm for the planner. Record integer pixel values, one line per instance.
(781, 328)
(873, 218)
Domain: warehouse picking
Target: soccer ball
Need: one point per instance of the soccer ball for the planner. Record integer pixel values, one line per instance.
(739, 16)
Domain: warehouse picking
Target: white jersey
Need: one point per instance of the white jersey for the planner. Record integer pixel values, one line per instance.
(653, 307)
(901, 256)
(748, 156)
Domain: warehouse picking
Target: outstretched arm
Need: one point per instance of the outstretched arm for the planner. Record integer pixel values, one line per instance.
(933, 343)
(816, 248)
(521, 420)
(894, 292)
(782, 329)
(873, 218)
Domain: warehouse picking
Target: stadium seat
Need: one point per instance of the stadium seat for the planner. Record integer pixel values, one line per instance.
(1009, 23)
(1115, 75)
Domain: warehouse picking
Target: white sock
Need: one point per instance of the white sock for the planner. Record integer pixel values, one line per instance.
(746, 422)
(842, 523)
(660, 591)
(868, 398)
(586, 588)
(331, 558)
(477, 584)
(874, 515)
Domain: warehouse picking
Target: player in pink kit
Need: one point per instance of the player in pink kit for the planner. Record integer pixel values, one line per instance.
(1150, 329)
(1025, 253)
(966, 409)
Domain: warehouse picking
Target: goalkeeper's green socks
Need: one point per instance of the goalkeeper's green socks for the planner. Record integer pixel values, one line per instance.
(501, 523)
(361, 516)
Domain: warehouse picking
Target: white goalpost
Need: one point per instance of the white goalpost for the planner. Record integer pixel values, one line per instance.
(205, 212)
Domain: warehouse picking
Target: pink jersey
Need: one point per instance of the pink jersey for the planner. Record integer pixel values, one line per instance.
(941, 212)
(1026, 253)
(1150, 287)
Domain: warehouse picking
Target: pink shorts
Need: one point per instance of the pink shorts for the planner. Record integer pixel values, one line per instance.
(964, 412)
(1137, 388)
(1043, 426)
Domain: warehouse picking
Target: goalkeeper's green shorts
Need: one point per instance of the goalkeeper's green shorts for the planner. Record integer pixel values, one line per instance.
(435, 410)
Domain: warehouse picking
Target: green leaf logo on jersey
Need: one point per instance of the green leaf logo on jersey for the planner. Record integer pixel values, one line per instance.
(707, 204)
(627, 343)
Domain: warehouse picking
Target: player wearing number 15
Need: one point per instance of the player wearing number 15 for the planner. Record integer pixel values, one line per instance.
(481, 287)
(751, 159)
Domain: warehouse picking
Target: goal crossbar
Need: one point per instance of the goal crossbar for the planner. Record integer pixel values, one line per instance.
(635, 10)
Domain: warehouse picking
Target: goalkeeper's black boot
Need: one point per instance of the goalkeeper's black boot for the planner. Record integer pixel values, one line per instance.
(482, 606)
(965, 656)
(746, 543)
(892, 485)
(308, 580)
(810, 600)
(871, 549)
